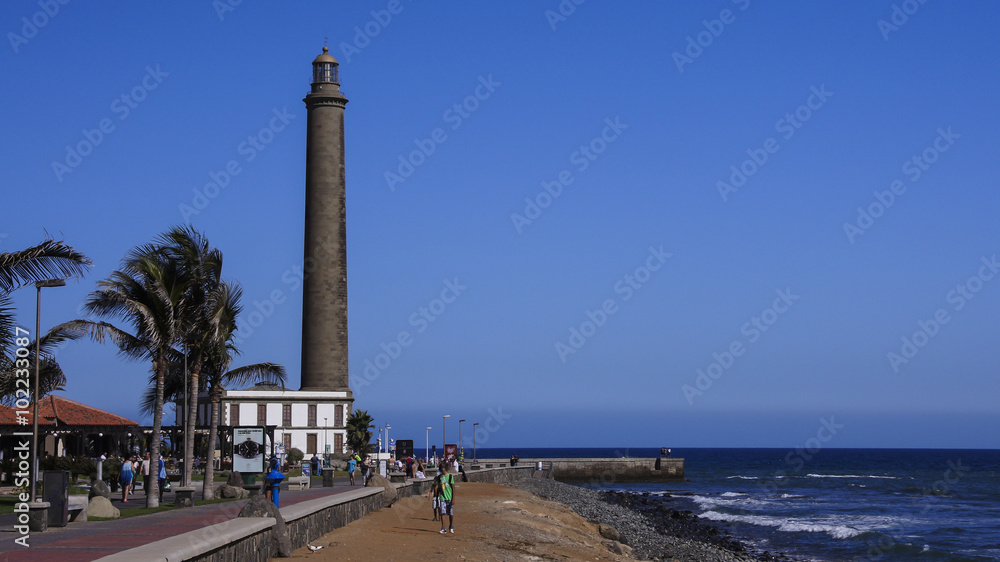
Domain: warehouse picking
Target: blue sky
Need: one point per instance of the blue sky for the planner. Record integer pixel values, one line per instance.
(702, 161)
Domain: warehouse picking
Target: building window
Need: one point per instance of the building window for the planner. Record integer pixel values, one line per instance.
(312, 415)
(338, 443)
(286, 440)
(338, 415)
(234, 415)
(286, 415)
(261, 414)
(310, 443)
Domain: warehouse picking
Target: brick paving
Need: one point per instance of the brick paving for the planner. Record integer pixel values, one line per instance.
(91, 540)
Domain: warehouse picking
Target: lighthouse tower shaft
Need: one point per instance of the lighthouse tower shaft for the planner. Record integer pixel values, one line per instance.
(324, 298)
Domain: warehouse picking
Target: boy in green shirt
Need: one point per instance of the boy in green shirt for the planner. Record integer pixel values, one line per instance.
(446, 498)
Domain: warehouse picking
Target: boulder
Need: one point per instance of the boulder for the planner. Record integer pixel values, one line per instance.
(609, 532)
(99, 488)
(390, 494)
(619, 548)
(259, 506)
(235, 480)
(100, 506)
(227, 491)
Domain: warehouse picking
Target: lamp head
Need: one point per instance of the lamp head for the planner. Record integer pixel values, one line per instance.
(50, 283)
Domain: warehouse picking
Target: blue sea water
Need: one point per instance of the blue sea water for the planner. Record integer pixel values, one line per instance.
(832, 504)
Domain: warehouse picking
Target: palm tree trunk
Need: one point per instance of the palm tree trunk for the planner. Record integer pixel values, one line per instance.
(208, 488)
(191, 422)
(152, 496)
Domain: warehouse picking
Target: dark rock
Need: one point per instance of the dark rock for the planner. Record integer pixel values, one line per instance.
(99, 488)
(235, 480)
(609, 532)
(227, 491)
(259, 506)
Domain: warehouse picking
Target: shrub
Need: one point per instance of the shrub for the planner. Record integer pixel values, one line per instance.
(295, 455)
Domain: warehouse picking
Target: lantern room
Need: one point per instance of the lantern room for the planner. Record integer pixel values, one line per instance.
(325, 68)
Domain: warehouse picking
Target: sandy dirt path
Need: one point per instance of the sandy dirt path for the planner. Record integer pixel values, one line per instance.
(492, 522)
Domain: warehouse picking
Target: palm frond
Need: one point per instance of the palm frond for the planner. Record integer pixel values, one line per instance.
(49, 260)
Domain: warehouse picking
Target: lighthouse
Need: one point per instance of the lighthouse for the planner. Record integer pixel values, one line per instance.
(324, 289)
(314, 418)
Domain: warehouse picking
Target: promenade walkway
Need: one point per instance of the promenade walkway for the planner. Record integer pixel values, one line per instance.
(92, 540)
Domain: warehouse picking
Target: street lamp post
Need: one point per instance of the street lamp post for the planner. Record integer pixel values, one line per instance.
(325, 437)
(387, 448)
(444, 434)
(461, 445)
(34, 396)
(427, 451)
(475, 453)
(183, 416)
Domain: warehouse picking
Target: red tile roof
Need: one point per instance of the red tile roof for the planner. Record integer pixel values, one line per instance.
(8, 416)
(56, 410)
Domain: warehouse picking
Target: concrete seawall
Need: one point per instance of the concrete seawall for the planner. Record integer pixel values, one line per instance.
(605, 470)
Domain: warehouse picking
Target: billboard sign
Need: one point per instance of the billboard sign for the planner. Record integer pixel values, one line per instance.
(248, 449)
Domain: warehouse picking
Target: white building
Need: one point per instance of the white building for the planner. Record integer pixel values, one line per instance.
(314, 422)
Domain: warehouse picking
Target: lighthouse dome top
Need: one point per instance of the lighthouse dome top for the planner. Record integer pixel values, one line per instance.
(325, 57)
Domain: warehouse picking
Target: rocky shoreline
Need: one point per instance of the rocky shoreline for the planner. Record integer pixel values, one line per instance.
(651, 529)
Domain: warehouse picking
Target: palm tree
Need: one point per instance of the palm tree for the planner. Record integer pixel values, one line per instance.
(49, 260)
(216, 360)
(148, 293)
(206, 293)
(359, 434)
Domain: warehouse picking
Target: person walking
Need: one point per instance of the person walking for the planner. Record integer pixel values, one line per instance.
(366, 469)
(352, 465)
(446, 498)
(161, 476)
(434, 494)
(135, 474)
(145, 474)
(125, 476)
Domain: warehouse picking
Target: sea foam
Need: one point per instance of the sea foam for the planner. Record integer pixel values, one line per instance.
(786, 525)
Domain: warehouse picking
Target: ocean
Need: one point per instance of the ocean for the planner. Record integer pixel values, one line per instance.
(831, 504)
